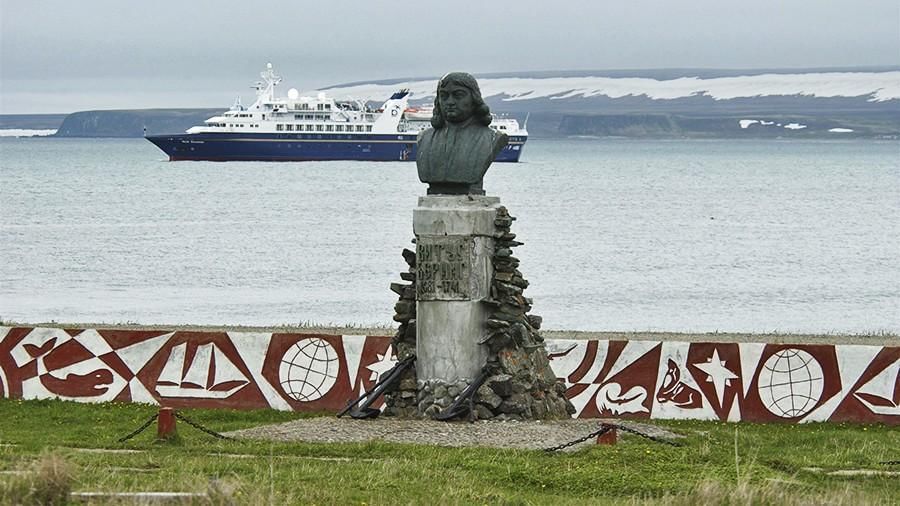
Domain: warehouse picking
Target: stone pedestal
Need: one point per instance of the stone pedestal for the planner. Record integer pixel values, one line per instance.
(454, 248)
(464, 316)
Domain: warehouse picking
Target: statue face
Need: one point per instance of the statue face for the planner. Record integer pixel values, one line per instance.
(456, 102)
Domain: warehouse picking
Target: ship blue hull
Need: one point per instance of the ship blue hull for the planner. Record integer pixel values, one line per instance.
(301, 147)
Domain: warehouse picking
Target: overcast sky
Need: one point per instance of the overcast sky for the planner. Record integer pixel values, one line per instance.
(65, 55)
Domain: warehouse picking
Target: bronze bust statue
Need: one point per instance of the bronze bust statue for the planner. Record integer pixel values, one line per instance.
(453, 156)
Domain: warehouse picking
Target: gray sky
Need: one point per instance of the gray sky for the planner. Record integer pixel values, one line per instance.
(64, 55)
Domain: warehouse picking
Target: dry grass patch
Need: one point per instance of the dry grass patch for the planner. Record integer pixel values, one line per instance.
(48, 481)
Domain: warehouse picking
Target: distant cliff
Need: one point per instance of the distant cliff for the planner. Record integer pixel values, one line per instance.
(666, 103)
(760, 125)
(672, 103)
(131, 123)
(828, 124)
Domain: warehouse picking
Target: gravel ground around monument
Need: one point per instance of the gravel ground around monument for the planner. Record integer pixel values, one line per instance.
(530, 435)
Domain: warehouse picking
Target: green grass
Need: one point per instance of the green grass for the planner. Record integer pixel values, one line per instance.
(720, 463)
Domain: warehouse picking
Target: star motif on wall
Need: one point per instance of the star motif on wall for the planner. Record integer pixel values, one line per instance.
(717, 374)
(384, 364)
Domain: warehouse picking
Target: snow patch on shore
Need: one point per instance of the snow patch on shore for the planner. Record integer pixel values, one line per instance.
(840, 130)
(26, 132)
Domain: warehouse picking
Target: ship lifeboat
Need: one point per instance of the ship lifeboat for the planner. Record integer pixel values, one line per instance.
(419, 113)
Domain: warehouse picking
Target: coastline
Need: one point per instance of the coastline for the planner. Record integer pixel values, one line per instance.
(774, 337)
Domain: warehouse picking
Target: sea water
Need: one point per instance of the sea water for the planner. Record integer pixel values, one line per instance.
(686, 235)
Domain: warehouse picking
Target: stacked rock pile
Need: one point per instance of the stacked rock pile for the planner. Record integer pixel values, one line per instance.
(401, 401)
(521, 385)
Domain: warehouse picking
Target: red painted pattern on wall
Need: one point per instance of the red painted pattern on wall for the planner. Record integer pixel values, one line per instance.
(790, 383)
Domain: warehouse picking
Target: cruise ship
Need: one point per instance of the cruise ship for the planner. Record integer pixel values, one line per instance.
(301, 128)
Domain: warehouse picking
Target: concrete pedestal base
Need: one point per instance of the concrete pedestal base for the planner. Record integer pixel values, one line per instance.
(454, 246)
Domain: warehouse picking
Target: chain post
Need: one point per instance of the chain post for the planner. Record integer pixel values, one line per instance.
(601, 434)
(609, 437)
(165, 427)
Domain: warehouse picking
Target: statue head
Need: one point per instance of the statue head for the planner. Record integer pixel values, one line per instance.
(458, 99)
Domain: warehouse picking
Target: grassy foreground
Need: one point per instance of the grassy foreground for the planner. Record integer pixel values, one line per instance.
(42, 453)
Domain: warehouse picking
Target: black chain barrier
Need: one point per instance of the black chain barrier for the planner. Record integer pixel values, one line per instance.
(140, 429)
(199, 427)
(597, 433)
(606, 427)
(655, 439)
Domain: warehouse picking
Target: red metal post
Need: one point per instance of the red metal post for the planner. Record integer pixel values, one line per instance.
(608, 438)
(165, 427)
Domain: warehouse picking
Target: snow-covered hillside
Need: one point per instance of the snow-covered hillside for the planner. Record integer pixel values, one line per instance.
(872, 86)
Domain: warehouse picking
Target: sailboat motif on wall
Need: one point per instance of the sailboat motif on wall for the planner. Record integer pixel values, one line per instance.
(210, 375)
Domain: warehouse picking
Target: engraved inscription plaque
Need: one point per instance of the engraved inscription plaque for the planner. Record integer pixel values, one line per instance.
(443, 265)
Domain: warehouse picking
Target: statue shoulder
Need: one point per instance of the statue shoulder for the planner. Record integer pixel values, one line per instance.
(425, 135)
(499, 141)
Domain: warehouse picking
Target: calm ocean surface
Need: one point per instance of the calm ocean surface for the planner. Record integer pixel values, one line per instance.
(619, 235)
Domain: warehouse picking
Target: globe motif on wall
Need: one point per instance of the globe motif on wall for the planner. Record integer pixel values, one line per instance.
(309, 369)
(790, 383)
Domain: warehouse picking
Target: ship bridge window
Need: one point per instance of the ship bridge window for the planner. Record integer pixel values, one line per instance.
(340, 128)
(329, 128)
(359, 128)
(279, 127)
(327, 107)
(290, 128)
(319, 128)
(368, 128)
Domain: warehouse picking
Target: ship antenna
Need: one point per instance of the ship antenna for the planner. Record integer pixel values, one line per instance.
(271, 79)
(525, 125)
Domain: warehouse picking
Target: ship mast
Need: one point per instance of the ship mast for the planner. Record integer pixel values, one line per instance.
(265, 89)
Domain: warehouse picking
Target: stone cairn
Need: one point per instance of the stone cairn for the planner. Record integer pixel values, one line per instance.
(401, 401)
(520, 384)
